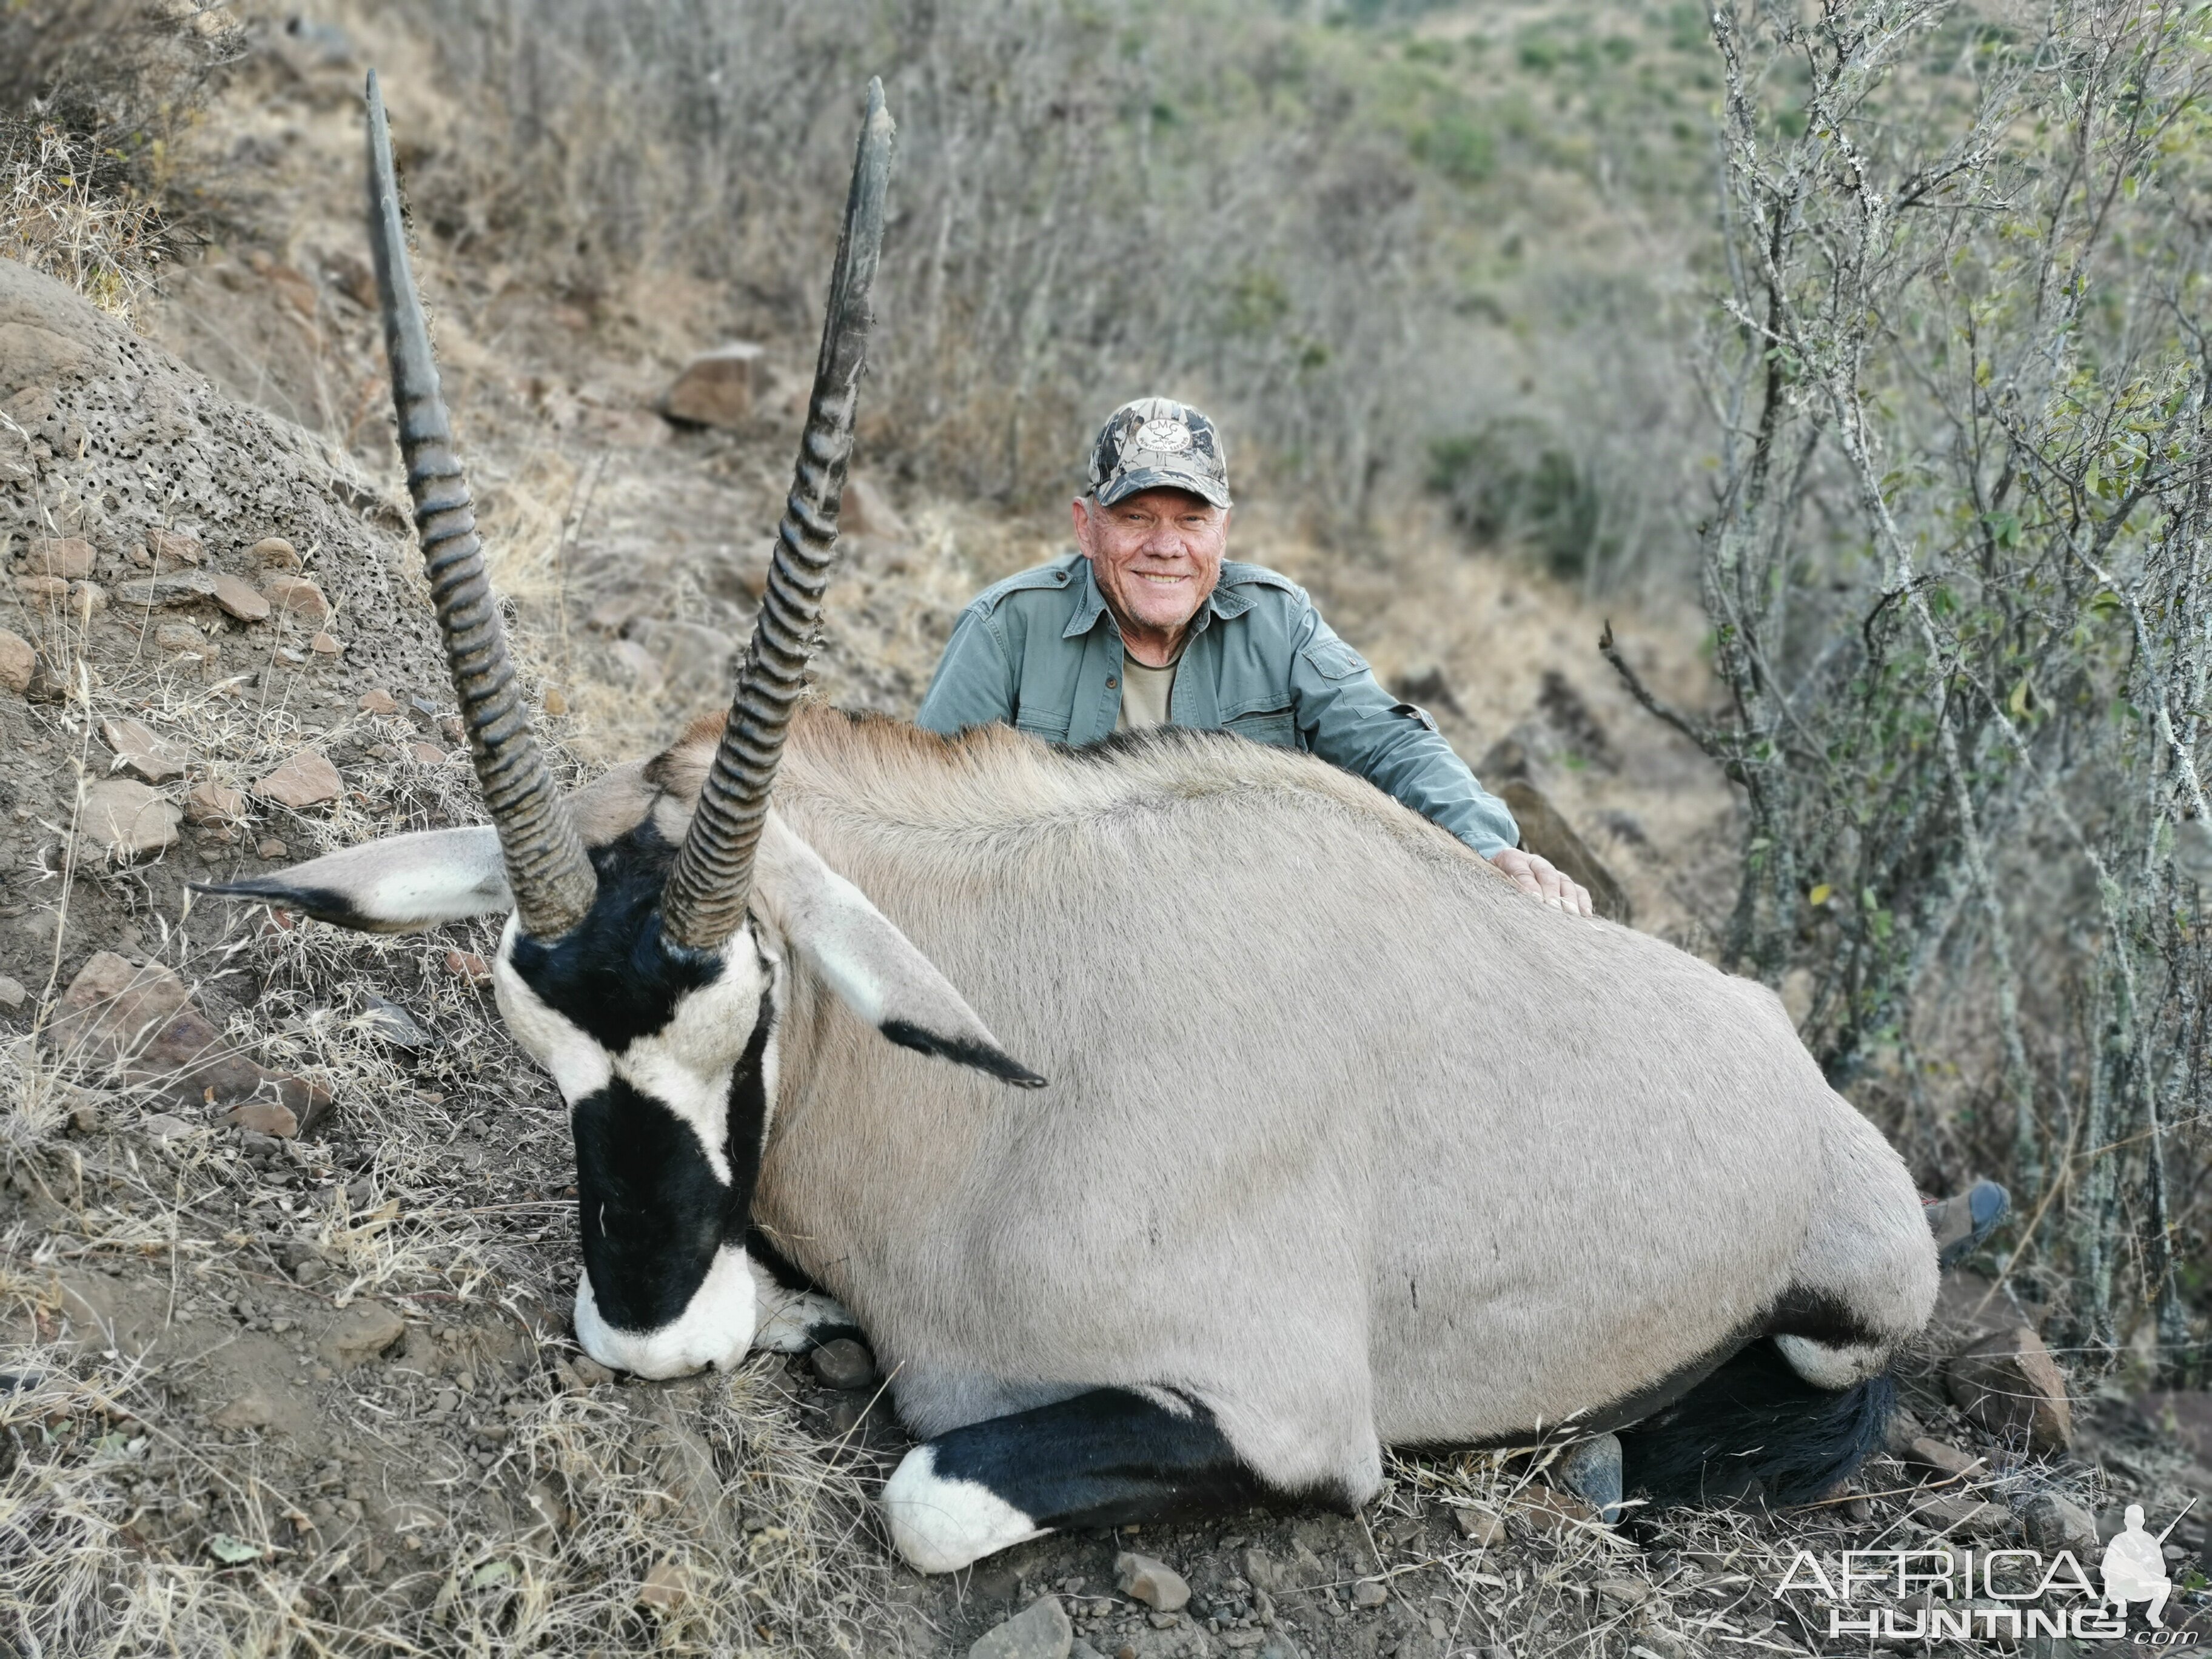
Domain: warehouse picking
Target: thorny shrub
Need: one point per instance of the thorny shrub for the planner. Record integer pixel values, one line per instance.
(1956, 562)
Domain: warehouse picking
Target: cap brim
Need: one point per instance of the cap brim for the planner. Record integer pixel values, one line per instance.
(1162, 478)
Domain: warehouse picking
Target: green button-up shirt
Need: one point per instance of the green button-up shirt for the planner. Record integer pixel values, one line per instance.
(1041, 652)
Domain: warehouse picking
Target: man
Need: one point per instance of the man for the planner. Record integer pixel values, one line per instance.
(1146, 624)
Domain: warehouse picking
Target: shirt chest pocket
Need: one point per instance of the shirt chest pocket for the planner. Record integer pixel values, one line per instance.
(1269, 725)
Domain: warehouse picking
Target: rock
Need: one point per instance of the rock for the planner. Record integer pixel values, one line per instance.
(275, 552)
(306, 780)
(866, 511)
(718, 387)
(178, 587)
(213, 803)
(426, 754)
(12, 992)
(1479, 1527)
(180, 638)
(2182, 1415)
(1369, 1592)
(2056, 1523)
(141, 751)
(468, 965)
(48, 593)
(555, 700)
(264, 1118)
(686, 652)
(70, 557)
(1541, 1509)
(1952, 1513)
(667, 1588)
(253, 1409)
(844, 1363)
(360, 1334)
(239, 600)
(166, 1126)
(270, 848)
(1901, 1431)
(1039, 1631)
(1618, 1596)
(17, 661)
(297, 595)
(323, 646)
(2010, 1385)
(1929, 1453)
(143, 1018)
(1155, 1583)
(638, 664)
(379, 702)
(86, 597)
(125, 818)
(393, 1023)
(589, 1372)
(1545, 833)
(169, 549)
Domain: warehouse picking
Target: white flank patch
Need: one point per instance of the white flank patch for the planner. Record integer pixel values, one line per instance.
(781, 1318)
(714, 1329)
(1827, 1367)
(941, 1526)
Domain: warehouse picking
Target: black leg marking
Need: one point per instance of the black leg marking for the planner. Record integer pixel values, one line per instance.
(1102, 1458)
(1755, 1429)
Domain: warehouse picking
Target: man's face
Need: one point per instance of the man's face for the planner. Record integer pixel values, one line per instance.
(1155, 555)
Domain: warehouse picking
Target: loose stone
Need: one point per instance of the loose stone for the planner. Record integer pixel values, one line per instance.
(240, 600)
(1154, 1583)
(307, 780)
(844, 1363)
(17, 661)
(125, 817)
(1039, 1631)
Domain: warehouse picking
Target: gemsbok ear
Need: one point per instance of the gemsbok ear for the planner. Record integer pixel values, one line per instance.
(875, 969)
(395, 885)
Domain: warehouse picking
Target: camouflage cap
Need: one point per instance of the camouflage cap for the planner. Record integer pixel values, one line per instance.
(1157, 443)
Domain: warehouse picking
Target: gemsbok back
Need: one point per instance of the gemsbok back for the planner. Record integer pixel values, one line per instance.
(1321, 1137)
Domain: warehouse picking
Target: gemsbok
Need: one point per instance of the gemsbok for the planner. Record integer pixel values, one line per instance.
(1296, 1130)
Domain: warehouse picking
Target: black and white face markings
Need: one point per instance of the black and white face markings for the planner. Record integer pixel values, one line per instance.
(1101, 1459)
(667, 1058)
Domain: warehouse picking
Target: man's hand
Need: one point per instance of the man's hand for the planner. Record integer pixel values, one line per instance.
(1542, 876)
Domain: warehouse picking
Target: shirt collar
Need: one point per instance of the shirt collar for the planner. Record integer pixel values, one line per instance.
(1224, 601)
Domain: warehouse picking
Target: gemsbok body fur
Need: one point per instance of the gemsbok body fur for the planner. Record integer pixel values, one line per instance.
(1326, 1139)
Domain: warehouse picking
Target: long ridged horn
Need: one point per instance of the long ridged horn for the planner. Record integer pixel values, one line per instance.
(550, 877)
(705, 898)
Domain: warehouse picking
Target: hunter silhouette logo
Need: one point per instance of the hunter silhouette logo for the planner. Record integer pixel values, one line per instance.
(1960, 1593)
(2133, 1567)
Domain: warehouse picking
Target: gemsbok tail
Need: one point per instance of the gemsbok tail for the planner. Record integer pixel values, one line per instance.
(1755, 1429)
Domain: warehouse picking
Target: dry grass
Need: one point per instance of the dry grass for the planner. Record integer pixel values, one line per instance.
(53, 218)
(141, 1255)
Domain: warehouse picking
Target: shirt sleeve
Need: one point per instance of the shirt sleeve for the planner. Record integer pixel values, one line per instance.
(974, 681)
(1351, 721)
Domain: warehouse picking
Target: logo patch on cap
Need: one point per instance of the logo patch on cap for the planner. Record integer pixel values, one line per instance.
(1165, 437)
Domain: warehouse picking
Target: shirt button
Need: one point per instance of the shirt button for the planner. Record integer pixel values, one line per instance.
(1111, 681)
